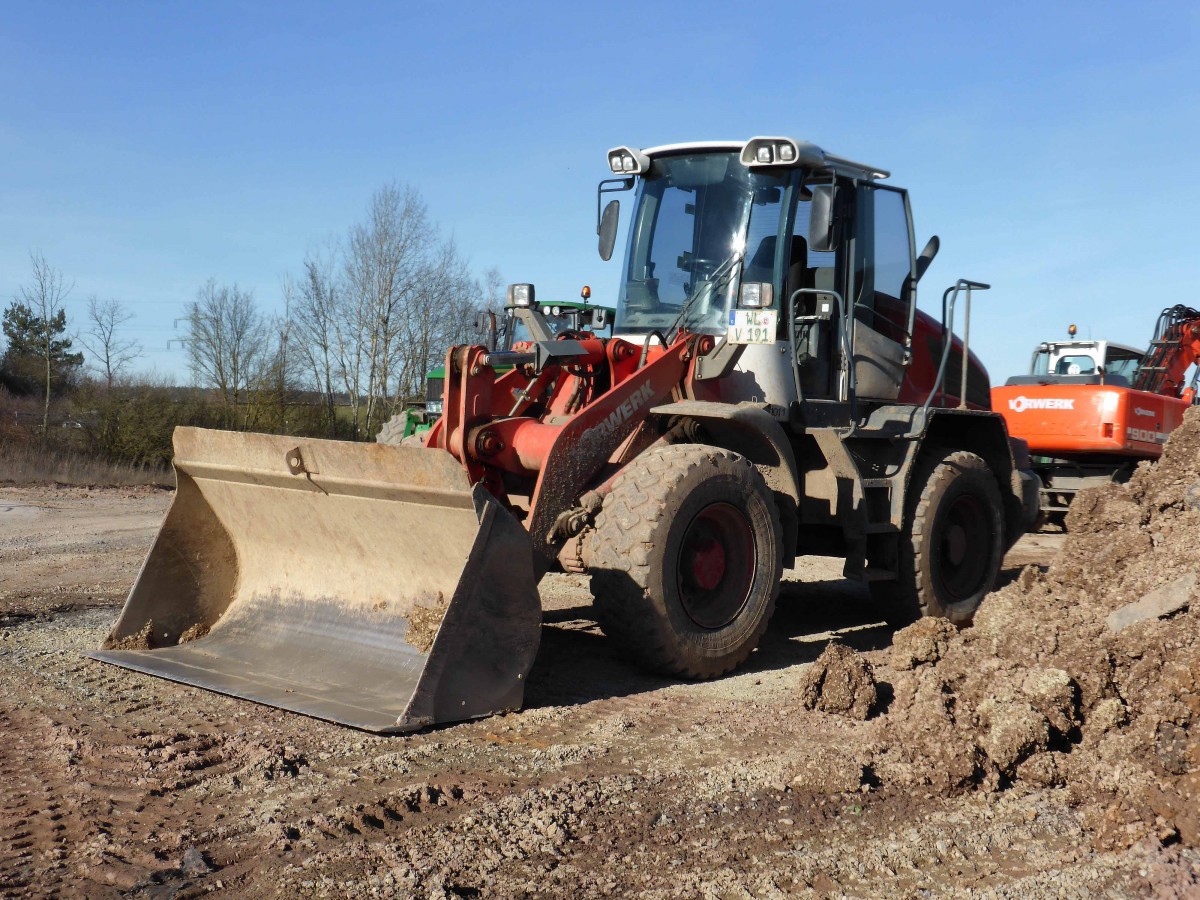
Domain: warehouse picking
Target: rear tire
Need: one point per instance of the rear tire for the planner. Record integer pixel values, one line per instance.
(686, 560)
(952, 547)
(397, 431)
(392, 432)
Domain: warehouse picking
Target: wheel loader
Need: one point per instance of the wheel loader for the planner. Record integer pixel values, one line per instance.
(770, 389)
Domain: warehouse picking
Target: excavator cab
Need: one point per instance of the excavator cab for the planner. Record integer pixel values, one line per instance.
(1104, 362)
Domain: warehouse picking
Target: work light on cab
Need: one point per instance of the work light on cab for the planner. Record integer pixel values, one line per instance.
(627, 161)
(520, 295)
(774, 151)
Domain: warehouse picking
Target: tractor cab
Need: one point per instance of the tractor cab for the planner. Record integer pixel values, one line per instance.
(560, 317)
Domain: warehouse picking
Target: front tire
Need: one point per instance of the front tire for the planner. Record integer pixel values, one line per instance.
(686, 560)
(952, 547)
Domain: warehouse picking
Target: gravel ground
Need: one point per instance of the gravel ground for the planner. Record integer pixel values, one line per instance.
(608, 783)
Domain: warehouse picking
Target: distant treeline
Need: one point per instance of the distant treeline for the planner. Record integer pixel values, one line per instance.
(361, 325)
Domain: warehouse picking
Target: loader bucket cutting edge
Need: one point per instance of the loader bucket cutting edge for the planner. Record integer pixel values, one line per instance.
(365, 584)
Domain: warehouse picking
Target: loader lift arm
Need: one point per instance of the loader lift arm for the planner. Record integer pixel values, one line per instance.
(552, 463)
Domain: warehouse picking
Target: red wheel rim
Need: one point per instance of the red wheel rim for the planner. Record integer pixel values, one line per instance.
(715, 568)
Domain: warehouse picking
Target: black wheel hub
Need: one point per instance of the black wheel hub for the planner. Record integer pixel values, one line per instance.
(961, 547)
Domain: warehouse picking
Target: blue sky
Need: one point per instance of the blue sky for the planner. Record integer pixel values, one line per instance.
(149, 147)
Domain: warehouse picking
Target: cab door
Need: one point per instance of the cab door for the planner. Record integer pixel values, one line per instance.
(883, 290)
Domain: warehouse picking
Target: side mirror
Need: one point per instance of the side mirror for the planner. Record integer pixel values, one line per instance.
(608, 228)
(485, 324)
(822, 235)
(601, 319)
(927, 255)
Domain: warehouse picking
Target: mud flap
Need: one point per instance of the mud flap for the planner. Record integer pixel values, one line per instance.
(365, 584)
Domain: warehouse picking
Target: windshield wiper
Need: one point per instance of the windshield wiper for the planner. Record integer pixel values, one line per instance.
(720, 277)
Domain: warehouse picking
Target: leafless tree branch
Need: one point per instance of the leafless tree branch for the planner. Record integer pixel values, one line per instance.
(114, 353)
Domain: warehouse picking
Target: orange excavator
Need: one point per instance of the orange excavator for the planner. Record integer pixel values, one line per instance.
(1091, 410)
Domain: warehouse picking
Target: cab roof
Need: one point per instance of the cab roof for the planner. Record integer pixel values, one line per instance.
(838, 164)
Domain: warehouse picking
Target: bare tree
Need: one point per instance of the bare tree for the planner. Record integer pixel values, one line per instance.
(114, 353)
(44, 296)
(494, 290)
(385, 257)
(373, 319)
(315, 305)
(229, 348)
(279, 374)
(440, 314)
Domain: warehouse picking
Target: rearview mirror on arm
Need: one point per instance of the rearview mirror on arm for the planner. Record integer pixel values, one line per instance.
(927, 255)
(608, 228)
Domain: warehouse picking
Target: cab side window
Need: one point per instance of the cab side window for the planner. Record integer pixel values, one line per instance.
(884, 264)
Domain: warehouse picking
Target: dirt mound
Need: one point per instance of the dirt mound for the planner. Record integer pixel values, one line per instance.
(840, 681)
(1118, 615)
(1085, 676)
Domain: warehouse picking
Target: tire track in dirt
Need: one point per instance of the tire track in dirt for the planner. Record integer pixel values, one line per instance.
(103, 791)
(33, 834)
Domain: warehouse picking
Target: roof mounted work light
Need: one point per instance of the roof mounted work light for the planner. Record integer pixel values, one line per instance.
(781, 151)
(628, 161)
(520, 295)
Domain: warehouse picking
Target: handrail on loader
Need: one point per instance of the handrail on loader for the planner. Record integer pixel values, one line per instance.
(952, 293)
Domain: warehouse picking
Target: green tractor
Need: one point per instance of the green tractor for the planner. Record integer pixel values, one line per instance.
(561, 316)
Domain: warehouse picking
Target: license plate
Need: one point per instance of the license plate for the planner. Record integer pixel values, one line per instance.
(752, 326)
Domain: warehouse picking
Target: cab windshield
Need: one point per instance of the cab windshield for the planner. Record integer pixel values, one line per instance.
(697, 217)
(1122, 362)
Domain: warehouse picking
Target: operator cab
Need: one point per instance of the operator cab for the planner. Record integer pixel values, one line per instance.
(710, 218)
(1082, 362)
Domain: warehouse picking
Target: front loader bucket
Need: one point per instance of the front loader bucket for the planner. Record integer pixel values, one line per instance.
(361, 583)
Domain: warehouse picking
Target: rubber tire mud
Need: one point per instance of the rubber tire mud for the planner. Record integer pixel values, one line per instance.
(915, 592)
(637, 541)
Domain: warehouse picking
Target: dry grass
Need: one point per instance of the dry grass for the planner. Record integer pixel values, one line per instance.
(31, 465)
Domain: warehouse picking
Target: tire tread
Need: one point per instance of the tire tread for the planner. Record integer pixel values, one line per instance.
(626, 531)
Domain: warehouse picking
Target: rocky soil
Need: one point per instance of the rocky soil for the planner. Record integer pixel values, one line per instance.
(1037, 754)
